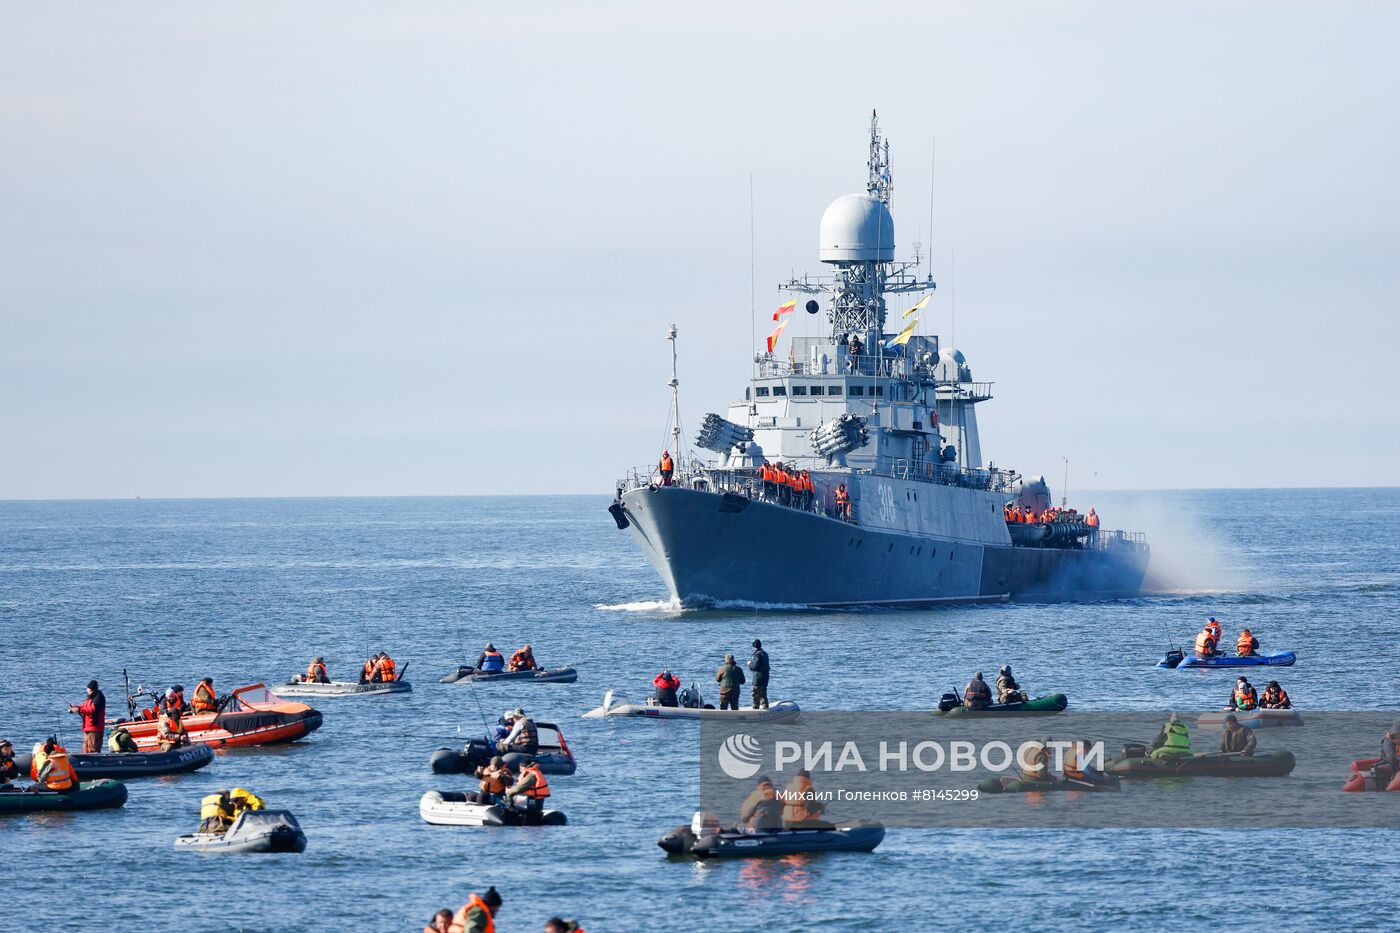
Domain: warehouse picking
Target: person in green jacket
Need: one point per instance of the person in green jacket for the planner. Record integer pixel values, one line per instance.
(730, 678)
(1173, 742)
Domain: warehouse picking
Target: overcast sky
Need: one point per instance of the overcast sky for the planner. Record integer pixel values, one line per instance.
(416, 248)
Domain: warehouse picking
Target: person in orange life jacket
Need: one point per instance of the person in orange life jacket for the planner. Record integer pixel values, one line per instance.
(770, 483)
(843, 502)
(1034, 761)
(799, 809)
(56, 773)
(977, 695)
(1236, 740)
(94, 713)
(441, 921)
(492, 781)
(171, 732)
(1214, 628)
(666, 685)
(1247, 645)
(1206, 643)
(478, 914)
(386, 671)
(490, 660)
(367, 670)
(1275, 697)
(532, 787)
(523, 660)
(316, 672)
(1092, 519)
(174, 699)
(205, 699)
(1245, 698)
(1076, 763)
(666, 467)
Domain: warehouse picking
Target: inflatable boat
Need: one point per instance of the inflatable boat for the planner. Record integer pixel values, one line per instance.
(133, 764)
(781, 710)
(1013, 785)
(1269, 764)
(342, 688)
(1363, 777)
(92, 795)
(951, 705)
(447, 808)
(251, 716)
(553, 756)
(1253, 719)
(702, 839)
(252, 831)
(1178, 660)
(466, 674)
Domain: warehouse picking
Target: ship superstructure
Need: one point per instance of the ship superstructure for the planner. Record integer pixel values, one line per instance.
(896, 505)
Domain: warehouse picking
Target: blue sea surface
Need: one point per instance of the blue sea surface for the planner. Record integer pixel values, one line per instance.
(247, 590)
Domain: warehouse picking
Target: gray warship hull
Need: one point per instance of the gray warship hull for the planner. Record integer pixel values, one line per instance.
(716, 548)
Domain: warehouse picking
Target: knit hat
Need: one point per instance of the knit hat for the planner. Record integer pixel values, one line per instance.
(92, 685)
(491, 898)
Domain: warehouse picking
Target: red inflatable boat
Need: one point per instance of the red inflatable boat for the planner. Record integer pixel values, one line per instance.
(252, 716)
(1363, 777)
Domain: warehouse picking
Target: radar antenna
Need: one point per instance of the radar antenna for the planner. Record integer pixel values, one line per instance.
(881, 183)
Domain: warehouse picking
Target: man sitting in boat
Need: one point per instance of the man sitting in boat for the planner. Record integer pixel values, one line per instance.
(1245, 698)
(523, 736)
(120, 742)
(800, 809)
(244, 800)
(533, 786)
(1076, 763)
(1174, 741)
(977, 695)
(174, 699)
(1275, 697)
(1246, 646)
(216, 813)
(523, 660)
(316, 672)
(385, 671)
(492, 781)
(1008, 691)
(52, 768)
(171, 732)
(8, 769)
(368, 668)
(205, 699)
(1237, 740)
(762, 809)
(1206, 643)
(666, 685)
(1034, 761)
(1389, 764)
(490, 660)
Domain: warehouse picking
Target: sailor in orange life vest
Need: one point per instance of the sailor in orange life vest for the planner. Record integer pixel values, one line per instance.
(1275, 697)
(386, 672)
(56, 773)
(1246, 646)
(531, 785)
(478, 914)
(1205, 643)
(1245, 698)
(316, 672)
(1214, 628)
(523, 660)
(667, 468)
(205, 699)
(843, 503)
(1092, 519)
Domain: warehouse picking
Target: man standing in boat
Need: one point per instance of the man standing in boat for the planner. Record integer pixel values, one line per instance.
(758, 663)
(730, 678)
(94, 713)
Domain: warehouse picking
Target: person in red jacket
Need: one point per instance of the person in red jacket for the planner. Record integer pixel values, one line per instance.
(666, 685)
(94, 713)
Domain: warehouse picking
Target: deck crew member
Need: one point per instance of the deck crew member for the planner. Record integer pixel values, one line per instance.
(478, 914)
(808, 491)
(1174, 741)
(1008, 691)
(1206, 643)
(386, 671)
(1246, 646)
(666, 685)
(1245, 698)
(171, 732)
(1275, 697)
(758, 663)
(730, 678)
(843, 503)
(977, 695)
(667, 468)
(1092, 519)
(524, 660)
(215, 813)
(316, 672)
(762, 809)
(490, 660)
(524, 736)
(94, 713)
(533, 786)
(770, 486)
(205, 699)
(56, 773)
(1236, 740)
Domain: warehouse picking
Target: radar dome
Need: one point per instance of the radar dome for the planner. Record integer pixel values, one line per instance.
(854, 228)
(952, 366)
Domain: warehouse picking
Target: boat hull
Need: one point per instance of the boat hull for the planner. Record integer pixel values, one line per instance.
(712, 548)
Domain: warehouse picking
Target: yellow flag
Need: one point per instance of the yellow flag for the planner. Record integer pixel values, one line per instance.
(918, 307)
(903, 336)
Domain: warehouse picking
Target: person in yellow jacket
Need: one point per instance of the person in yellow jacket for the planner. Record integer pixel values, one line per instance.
(56, 772)
(1174, 741)
(478, 914)
(216, 813)
(244, 800)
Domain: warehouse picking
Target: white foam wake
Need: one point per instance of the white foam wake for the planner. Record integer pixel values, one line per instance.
(648, 605)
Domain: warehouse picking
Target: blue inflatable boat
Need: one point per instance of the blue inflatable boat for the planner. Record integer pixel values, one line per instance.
(1180, 661)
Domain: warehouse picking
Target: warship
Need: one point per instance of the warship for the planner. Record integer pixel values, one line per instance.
(884, 498)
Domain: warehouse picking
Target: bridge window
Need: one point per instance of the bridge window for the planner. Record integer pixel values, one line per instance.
(857, 390)
(816, 390)
(833, 390)
(780, 390)
(799, 390)
(761, 391)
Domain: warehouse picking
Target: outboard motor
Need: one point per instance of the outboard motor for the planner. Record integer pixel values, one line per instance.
(1175, 656)
(949, 701)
